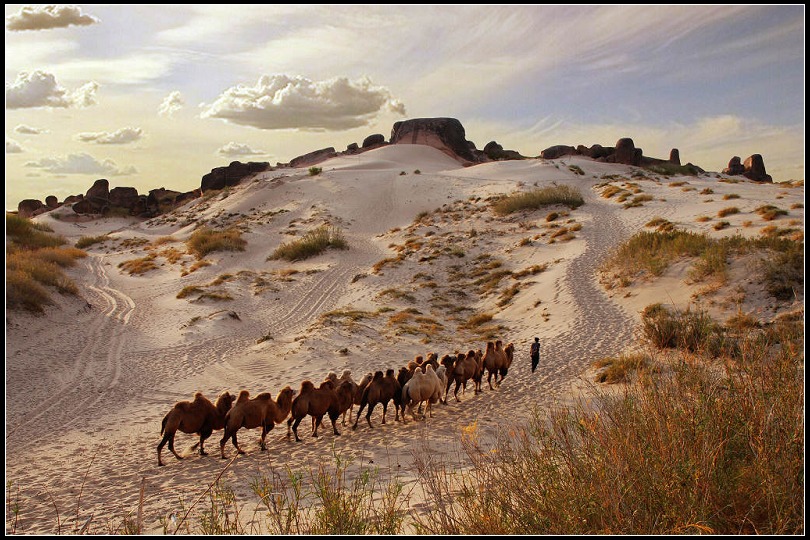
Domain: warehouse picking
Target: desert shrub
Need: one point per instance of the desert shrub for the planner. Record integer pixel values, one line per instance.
(728, 211)
(638, 200)
(552, 216)
(729, 196)
(533, 200)
(311, 244)
(706, 191)
(25, 292)
(25, 233)
(139, 266)
(314, 171)
(621, 368)
(694, 331)
(784, 273)
(720, 225)
(651, 252)
(189, 290)
(769, 212)
(671, 169)
(87, 241)
(576, 169)
(204, 241)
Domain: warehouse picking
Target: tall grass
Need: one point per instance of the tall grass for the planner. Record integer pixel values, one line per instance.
(311, 244)
(204, 241)
(34, 265)
(539, 198)
(699, 449)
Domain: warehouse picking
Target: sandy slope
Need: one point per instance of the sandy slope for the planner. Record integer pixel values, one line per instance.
(88, 384)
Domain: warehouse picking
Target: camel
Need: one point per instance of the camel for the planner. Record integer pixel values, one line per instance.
(315, 402)
(494, 361)
(509, 351)
(422, 388)
(199, 416)
(381, 389)
(463, 369)
(261, 411)
(403, 377)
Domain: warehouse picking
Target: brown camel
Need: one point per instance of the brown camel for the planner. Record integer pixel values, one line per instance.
(381, 389)
(358, 394)
(199, 416)
(493, 361)
(462, 370)
(261, 411)
(403, 377)
(315, 402)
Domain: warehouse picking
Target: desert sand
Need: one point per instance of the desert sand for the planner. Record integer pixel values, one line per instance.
(88, 383)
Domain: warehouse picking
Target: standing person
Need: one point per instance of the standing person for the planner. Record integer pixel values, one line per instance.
(535, 351)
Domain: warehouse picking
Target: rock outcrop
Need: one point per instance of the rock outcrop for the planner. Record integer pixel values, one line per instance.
(753, 168)
(558, 151)
(626, 152)
(220, 177)
(30, 208)
(675, 157)
(372, 141)
(313, 158)
(446, 134)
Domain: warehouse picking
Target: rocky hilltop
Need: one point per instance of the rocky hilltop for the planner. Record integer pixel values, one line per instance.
(445, 134)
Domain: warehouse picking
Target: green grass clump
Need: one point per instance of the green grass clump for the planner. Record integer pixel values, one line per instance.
(204, 241)
(314, 171)
(651, 252)
(671, 169)
(693, 331)
(533, 200)
(311, 244)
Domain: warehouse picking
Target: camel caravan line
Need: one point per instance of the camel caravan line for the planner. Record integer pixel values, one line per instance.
(422, 382)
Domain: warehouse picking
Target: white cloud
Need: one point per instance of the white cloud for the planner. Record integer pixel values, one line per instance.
(294, 102)
(28, 130)
(233, 149)
(80, 164)
(122, 136)
(171, 104)
(40, 89)
(47, 17)
(13, 147)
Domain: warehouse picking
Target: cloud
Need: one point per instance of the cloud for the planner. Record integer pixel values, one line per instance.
(47, 17)
(28, 130)
(13, 147)
(171, 104)
(293, 102)
(233, 149)
(80, 164)
(122, 136)
(40, 89)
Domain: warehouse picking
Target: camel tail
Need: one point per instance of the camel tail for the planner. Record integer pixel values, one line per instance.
(163, 424)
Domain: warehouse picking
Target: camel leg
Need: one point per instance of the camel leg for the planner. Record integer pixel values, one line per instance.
(455, 392)
(295, 428)
(368, 416)
(236, 444)
(317, 422)
(334, 424)
(489, 380)
(385, 409)
(359, 412)
(262, 444)
(204, 435)
(166, 439)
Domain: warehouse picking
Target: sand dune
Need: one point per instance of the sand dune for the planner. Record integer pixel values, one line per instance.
(88, 383)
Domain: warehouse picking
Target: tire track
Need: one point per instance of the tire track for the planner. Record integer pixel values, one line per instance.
(100, 359)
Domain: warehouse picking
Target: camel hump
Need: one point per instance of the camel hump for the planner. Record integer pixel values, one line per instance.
(307, 386)
(244, 395)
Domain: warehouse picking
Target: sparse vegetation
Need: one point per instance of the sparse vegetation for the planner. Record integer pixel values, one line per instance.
(621, 368)
(539, 198)
(314, 171)
(311, 244)
(204, 241)
(769, 212)
(728, 211)
(87, 241)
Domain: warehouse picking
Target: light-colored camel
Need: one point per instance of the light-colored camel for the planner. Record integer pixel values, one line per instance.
(199, 416)
(494, 361)
(315, 402)
(381, 389)
(423, 388)
(262, 411)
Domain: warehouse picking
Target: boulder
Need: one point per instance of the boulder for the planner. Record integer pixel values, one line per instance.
(352, 148)
(84, 206)
(373, 140)
(29, 207)
(755, 169)
(124, 197)
(51, 202)
(735, 167)
(557, 151)
(99, 190)
(313, 157)
(446, 134)
(70, 199)
(220, 177)
(675, 157)
(626, 152)
(493, 150)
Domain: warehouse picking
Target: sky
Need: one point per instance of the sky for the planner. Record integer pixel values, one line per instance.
(151, 96)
